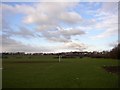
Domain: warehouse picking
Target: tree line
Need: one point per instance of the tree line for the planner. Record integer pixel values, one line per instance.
(113, 53)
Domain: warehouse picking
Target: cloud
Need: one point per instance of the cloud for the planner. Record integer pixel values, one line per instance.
(71, 32)
(24, 32)
(71, 46)
(110, 26)
(51, 13)
(109, 7)
(74, 45)
(12, 45)
(107, 33)
(71, 17)
(61, 35)
(46, 13)
(106, 20)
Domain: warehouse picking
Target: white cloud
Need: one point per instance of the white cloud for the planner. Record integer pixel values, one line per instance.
(106, 20)
(107, 33)
(51, 13)
(110, 26)
(72, 32)
(76, 45)
(71, 46)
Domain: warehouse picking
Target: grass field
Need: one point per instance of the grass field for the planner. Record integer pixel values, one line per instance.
(0, 73)
(47, 72)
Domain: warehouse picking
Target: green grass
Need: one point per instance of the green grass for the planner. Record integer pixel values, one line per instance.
(0, 72)
(47, 72)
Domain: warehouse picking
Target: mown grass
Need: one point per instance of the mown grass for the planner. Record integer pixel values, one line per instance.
(47, 72)
(0, 72)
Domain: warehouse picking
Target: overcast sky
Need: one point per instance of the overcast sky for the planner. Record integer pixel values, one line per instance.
(59, 26)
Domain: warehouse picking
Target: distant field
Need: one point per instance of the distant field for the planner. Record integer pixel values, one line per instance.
(47, 72)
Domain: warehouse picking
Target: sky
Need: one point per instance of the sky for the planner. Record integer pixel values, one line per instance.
(59, 26)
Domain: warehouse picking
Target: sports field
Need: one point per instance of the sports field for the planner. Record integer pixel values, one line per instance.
(47, 72)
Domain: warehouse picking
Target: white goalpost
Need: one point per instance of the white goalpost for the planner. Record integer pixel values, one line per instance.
(59, 58)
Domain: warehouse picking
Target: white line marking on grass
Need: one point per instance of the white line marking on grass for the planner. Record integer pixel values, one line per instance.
(1, 68)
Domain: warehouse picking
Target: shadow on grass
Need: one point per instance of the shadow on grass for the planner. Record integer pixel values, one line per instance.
(112, 69)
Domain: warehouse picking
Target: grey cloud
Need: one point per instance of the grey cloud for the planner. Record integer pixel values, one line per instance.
(5, 25)
(61, 35)
(71, 17)
(110, 7)
(11, 45)
(54, 36)
(60, 39)
(7, 30)
(24, 32)
(72, 32)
